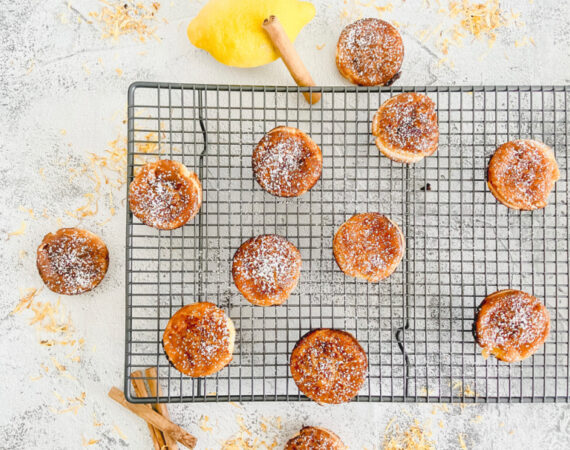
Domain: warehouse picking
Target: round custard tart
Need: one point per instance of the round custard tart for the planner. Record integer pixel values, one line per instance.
(287, 162)
(406, 127)
(199, 339)
(314, 438)
(522, 173)
(266, 269)
(368, 246)
(165, 195)
(72, 261)
(329, 366)
(369, 52)
(511, 325)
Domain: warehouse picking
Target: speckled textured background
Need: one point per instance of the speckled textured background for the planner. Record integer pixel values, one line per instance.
(61, 97)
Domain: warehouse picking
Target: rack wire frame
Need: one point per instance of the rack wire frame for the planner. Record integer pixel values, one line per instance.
(416, 326)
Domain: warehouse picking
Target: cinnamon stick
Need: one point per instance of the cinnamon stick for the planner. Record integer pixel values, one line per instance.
(152, 417)
(161, 408)
(290, 57)
(140, 391)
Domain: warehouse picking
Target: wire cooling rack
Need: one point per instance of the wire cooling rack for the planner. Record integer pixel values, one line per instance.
(416, 326)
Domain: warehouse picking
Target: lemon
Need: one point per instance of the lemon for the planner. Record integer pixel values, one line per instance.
(231, 30)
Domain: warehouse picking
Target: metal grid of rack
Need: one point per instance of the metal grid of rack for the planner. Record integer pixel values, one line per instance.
(416, 326)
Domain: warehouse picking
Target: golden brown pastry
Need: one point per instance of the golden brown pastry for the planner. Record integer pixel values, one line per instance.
(369, 52)
(266, 269)
(329, 366)
(72, 261)
(287, 162)
(199, 339)
(165, 195)
(512, 325)
(368, 246)
(314, 438)
(522, 173)
(406, 127)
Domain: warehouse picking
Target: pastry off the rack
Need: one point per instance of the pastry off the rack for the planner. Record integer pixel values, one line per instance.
(315, 438)
(266, 269)
(369, 52)
(522, 173)
(329, 366)
(368, 246)
(406, 127)
(165, 195)
(199, 339)
(511, 325)
(286, 162)
(72, 261)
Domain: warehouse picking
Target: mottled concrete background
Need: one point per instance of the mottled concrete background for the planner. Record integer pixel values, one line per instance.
(61, 97)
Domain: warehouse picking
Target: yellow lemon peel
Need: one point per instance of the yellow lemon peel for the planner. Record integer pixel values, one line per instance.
(231, 31)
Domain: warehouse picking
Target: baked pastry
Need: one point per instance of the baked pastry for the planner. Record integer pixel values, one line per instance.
(522, 173)
(199, 339)
(287, 162)
(369, 52)
(368, 246)
(406, 127)
(72, 261)
(266, 269)
(512, 325)
(314, 438)
(165, 195)
(329, 366)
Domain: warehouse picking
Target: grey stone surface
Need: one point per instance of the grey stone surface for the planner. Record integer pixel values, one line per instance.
(61, 98)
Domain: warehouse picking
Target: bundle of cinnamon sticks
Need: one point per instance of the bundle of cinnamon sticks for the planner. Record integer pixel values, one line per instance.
(165, 434)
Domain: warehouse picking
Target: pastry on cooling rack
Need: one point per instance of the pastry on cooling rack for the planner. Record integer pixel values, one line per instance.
(287, 162)
(406, 127)
(314, 438)
(522, 173)
(512, 325)
(368, 246)
(165, 195)
(369, 52)
(266, 269)
(72, 261)
(329, 366)
(199, 339)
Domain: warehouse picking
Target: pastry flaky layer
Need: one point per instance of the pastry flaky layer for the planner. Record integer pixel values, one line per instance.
(406, 127)
(369, 246)
(369, 52)
(329, 366)
(522, 173)
(286, 162)
(315, 438)
(72, 261)
(165, 195)
(199, 339)
(511, 325)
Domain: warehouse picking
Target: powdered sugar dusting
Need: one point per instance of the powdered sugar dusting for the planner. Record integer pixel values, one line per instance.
(161, 197)
(369, 52)
(329, 366)
(72, 261)
(198, 339)
(514, 322)
(408, 122)
(368, 246)
(523, 173)
(266, 268)
(285, 164)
